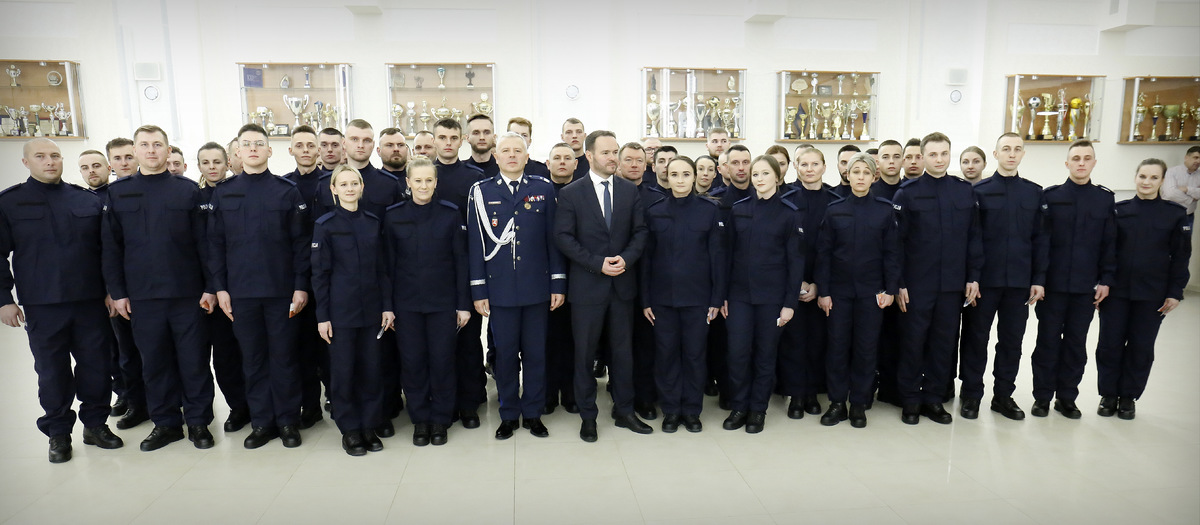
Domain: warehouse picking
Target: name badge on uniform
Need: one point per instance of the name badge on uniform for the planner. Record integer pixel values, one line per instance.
(493, 203)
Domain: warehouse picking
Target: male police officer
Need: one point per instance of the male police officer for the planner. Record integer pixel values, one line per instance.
(52, 231)
(515, 269)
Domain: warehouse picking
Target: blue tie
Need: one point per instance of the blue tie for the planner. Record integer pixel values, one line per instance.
(514, 185)
(607, 206)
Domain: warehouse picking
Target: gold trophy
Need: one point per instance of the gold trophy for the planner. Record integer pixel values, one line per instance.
(814, 110)
(1017, 109)
(826, 112)
(1139, 113)
(1034, 104)
(864, 106)
(397, 116)
(1196, 118)
(1184, 114)
(425, 116)
(1155, 112)
(789, 114)
(1048, 102)
(1170, 111)
(839, 114)
(1063, 105)
(653, 111)
(1075, 105)
(1087, 111)
(442, 112)
(727, 116)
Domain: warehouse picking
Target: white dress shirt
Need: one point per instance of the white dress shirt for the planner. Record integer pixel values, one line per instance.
(1179, 176)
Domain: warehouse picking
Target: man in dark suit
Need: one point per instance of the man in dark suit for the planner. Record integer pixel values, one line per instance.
(600, 226)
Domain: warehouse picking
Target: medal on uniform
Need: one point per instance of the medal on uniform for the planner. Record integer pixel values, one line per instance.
(527, 206)
(495, 222)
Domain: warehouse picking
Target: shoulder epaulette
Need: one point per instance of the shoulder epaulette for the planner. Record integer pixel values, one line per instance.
(322, 219)
(1126, 202)
(286, 180)
(11, 188)
(387, 174)
(744, 200)
(1101, 186)
(789, 204)
(371, 215)
(1052, 188)
(449, 204)
(718, 191)
(539, 178)
(883, 200)
(1027, 181)
(838, 200)
(325, 174)
(705, 198)
(1173, 203)
(472, 167)
(788, 193)
(120, 180)
(397, 205)
(909, 181)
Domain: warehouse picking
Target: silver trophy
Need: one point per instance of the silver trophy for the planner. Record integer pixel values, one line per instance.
(13, 72)
(425, 117)
(412, 121)
(307, 77)
(470, 79)
(296, 105)
(51, 113)
(63, 115)
(1062, 113)
(653, 111)
(37, 121)
(1034, 104)
(397, 116)
(441, 71)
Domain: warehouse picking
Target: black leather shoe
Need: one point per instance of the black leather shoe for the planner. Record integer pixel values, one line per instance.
(587, 431)
(858, 416)
(724, 404)
(1067, 408)
(372, 441)
(795, 409)
(711, 389)
(836, 414)
(549, 408)
(506, 429)
(133, 417)
(646, 411)
(1040, 408)
(310, 417)
(260, 436)
(536, 427)
(736, 420)
(60, 448)
(161, 437)
(353, 444)
(936, 413)
(571, 407)
(692, 424)
(237, 420)
(1008, 408)
(102, 437)
(1108, 406)
(470, 418)
(670, 423)
(1126, 409)
(290, 435)
(811, 405)
(120, 407)
(755, 422)
(437, 435)
(200, 437)
(385, 430)
(598, 369)
(633, 423)
(969, 408)
(910, 415)
(421, 434)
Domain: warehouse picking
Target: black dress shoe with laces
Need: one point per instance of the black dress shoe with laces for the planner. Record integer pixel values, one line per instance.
(260, 436)
(536, 427)
(506, 429)
(161, 437)
(1040, 408)
(969, 408)
(237, 420)
(795, 408)
(910, 415)
(1108, 406)
(133, 417)
(469, 418)
(587, 431)
(646, 411)
(736, 420)
(811, 405)
(836, 414)
(858, 415)
(353, 444)
(102, 437)
(437, 435)
(385, 430)
(1007, 407)
(290, 436)
(693, 424)
(633, 423)
(1126, 408)
(1067, 408)
(120, 407)
(372, 442)
(936, 413)
(421, 433)
(200, 437)
(60, 448)
(670, 423)
(755, 422)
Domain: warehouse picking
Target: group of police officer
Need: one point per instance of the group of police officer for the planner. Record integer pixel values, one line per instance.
(127, 279)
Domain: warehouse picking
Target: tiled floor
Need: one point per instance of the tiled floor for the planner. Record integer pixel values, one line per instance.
(991, 470)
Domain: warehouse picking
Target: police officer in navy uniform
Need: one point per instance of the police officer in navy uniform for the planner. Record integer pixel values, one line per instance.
(802, 350)
(1015, 250)
(349, 276)
(1079, 220)
(684, 276)
(940, 239)
(560, 344)
(52, 231)
(393, 156)
(1154, 243)
(426, 243)
(632, 162)
(261, 260)
(891, 154)
(857, 276)
(767, 270)
(154, 248)
(517, 278)
(455, 179)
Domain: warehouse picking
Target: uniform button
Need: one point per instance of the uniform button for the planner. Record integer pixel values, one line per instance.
(518, 257)
(514, 213)
(518, 243)
(518, 227)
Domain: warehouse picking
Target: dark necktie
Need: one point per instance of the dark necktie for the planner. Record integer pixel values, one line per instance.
(607, 205)
(514, 185)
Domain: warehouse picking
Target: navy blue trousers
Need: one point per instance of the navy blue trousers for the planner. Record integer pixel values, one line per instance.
(1061, 352)
(888, 356)
(1126, 349)
(753, 349)
(680, 337)
(57, 333)
(470, 379)
(269, 359)
(313, 354)
(560, 357)
(227, 360)
(588, 322)
(129, 362)
(355, 378)
(644, 385)
(853, 346)
(717, 355)
(1007, 305)
(928, 337)
(172, 336)
(427, 350)
(520, 336)
(802, 352)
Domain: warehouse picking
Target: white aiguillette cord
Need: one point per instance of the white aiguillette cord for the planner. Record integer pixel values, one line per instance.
(507, 236)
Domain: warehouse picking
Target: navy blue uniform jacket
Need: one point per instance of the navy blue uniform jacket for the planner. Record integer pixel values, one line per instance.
(427, 257)
(1154, 243)
(939, 234)
(259, 237)
(765, 240)
(349, 269)
(1079, 219)
(1016, 249)
(858, 249)
(686, 263)
(529, 268)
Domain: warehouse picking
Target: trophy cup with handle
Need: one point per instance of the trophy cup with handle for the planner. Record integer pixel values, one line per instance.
(814, 111)
(826, 112)
(789, 115)
(296, 105)
(849, 135)
(307, 77)
(864, 106)
(1184, 114)
(1139, 116)
(1034, 104)
(1170, 111)
(1048, 102)
(1062, 113)
(653, 112)
(442, 112)
(398, 116)
(13, 72)
(425, 117)
(63, 115)
(1086, 113)
(1196, 119)
(412, 113)
(37, 121)
(1155, 112)
(53, 131)
(1075, 105)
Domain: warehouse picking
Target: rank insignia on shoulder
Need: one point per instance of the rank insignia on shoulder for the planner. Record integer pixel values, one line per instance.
(898, 207)
(1187, 228)
(1045, 206)
(303, 206)
(721, 224)
(316, 245)
(105, 208)
(800, 231)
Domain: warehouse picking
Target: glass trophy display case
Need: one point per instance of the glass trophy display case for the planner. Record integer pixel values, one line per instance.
(684, 103)
(280, 97)
(827, 106)
(1054, 108)
(1161, 109)
(419, 95)
(41, 100)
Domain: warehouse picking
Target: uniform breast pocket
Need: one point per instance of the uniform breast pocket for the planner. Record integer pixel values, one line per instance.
(231, 213)
(659, 223)
(742, 223)
(28, 211)
(276, 218)
(86, 223)
(403, 230)
(841, 222)
(179, 217)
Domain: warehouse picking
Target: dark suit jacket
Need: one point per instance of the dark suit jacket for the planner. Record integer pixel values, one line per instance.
(581, 235)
